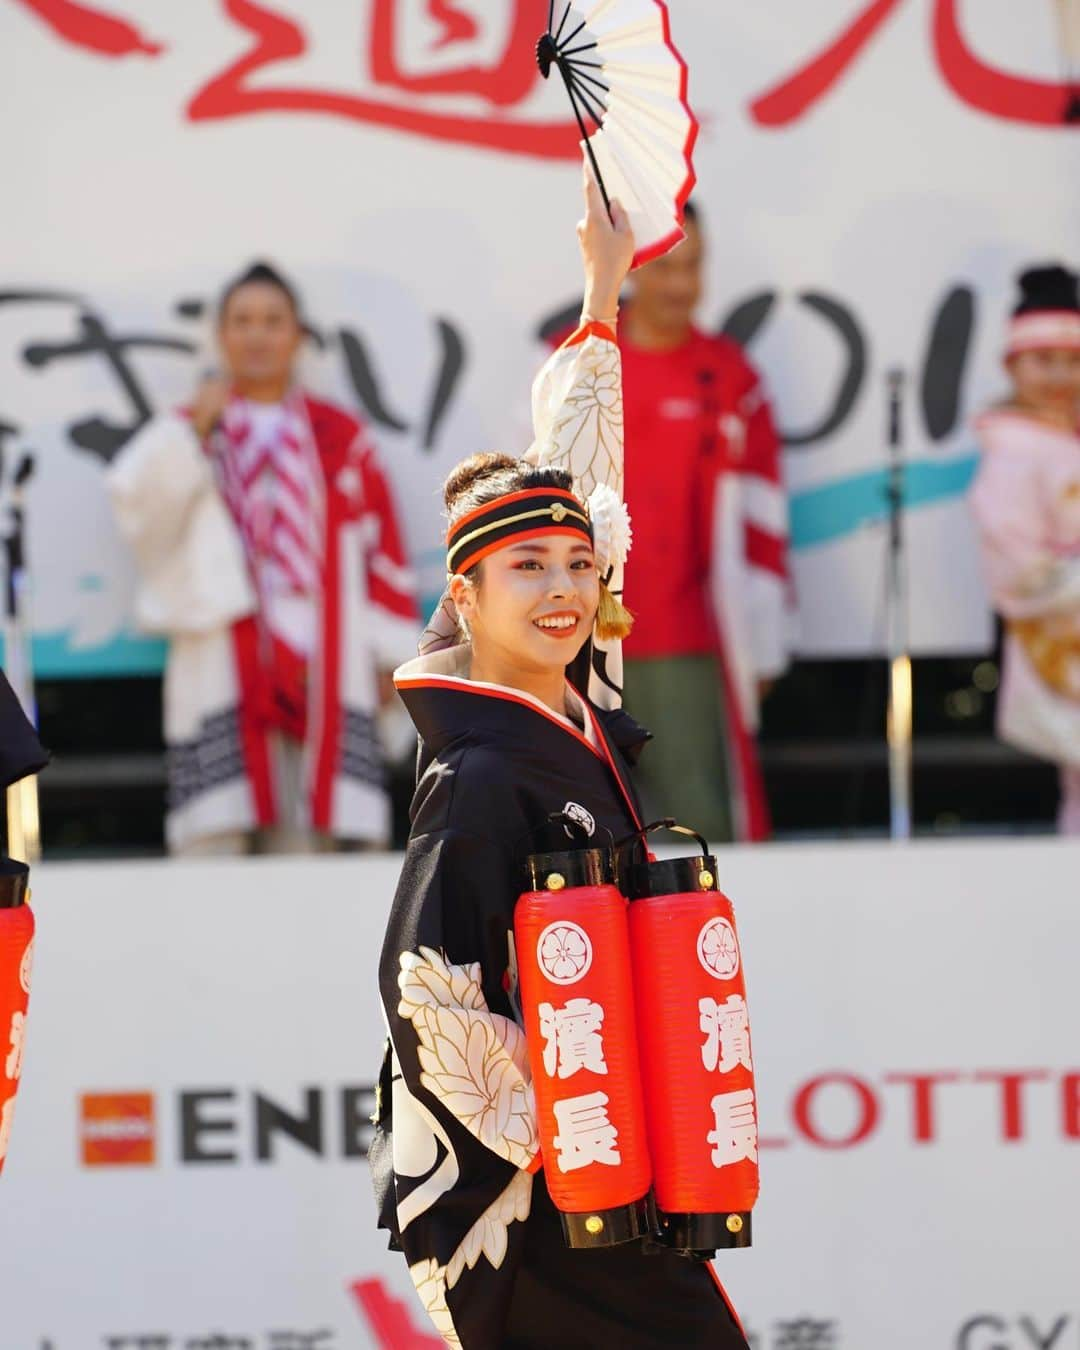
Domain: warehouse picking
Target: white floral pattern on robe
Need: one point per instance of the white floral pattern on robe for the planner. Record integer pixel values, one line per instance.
(487, 1237)
(474, 1061)
(430, 1281)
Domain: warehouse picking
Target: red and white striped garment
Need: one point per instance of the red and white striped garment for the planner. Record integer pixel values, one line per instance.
(272, 558)
(272, 485)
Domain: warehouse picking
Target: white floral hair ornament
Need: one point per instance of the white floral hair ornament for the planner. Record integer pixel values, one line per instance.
(612, 537)
(612, 532)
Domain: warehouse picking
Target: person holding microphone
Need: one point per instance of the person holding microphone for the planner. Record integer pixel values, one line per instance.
(270, 555)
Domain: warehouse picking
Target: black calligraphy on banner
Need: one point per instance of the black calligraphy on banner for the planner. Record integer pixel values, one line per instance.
(78, 330)
(88, 335)
(947, 353)
(980, 85)
(750, 317)
(943, 364)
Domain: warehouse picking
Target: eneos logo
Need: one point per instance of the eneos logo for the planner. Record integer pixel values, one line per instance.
(117, 1129)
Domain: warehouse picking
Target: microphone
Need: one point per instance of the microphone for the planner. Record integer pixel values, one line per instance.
(208, 373)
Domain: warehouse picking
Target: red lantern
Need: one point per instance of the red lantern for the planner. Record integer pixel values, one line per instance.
(694, 1036)
(573, 958)
(16, 937)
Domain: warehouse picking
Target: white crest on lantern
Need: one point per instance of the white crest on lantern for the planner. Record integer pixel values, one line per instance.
(26, 965)
(564, 952)
(718, 949)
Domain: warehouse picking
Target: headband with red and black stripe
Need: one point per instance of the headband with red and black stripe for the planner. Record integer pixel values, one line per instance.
(511, 519)
(1037, 330)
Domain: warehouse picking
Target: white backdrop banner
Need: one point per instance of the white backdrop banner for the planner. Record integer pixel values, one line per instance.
(871, 176)
(187, 1161)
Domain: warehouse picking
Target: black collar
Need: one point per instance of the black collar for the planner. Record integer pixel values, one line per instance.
(448, 708)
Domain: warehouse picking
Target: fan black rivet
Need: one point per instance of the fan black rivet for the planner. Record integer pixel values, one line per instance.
(546, 53)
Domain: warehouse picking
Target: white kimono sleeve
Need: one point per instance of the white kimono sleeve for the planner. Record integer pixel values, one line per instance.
(193, 577)
(577, 408)
(1026, 577)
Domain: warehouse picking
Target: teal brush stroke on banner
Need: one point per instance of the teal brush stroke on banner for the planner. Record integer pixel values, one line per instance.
(129, 654)
(819, 515)
(824, 514)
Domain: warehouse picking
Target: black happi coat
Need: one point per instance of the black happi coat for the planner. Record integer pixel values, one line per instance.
(455, 1144)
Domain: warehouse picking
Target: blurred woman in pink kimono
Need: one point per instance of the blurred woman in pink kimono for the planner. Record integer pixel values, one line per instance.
(1026, 500)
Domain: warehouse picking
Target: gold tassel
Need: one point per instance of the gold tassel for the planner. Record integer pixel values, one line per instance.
(613, 619)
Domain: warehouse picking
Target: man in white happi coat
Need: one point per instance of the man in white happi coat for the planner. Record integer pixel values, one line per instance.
(270, 556)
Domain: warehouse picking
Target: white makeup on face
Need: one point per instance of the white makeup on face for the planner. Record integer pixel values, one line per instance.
(531, 612)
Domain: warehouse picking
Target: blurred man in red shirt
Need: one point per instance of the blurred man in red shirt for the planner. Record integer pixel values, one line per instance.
(708, 582)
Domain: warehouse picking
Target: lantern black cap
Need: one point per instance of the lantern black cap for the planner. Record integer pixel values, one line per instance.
(14, 883)
(554, 867)
(671, 876)
(667, 876)
(573, 867)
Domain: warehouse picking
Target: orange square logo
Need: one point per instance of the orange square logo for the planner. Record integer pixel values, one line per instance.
(117, 1129)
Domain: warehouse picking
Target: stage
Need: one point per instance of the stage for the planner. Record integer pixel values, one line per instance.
(187, 1159)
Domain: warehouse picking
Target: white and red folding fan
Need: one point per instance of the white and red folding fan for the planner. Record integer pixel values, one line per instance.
(624, 75)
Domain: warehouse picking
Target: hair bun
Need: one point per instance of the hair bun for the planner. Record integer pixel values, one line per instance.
(470, 473)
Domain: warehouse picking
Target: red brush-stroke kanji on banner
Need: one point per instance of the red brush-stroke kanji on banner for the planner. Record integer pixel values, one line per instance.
(978, 84)
(390, 1319)
(503, 85)
(277, 38)
(92, 29)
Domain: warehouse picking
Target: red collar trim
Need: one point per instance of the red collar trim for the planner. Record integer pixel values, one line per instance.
(598, 732)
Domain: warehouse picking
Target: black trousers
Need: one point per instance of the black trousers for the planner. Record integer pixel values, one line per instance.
(614, 1298)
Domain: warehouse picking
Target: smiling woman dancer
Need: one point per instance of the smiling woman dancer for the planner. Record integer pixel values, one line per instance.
(506, 742)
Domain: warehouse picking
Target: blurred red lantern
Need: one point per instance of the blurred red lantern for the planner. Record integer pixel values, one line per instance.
(696, 1061)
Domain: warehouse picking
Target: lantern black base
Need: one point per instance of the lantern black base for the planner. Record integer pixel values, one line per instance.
(706, 1232)
(609, 1227)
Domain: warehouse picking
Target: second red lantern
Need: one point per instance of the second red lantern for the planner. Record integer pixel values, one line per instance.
(697, 1066)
